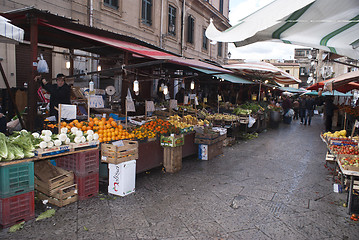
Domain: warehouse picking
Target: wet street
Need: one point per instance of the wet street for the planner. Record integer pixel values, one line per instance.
(273, 187)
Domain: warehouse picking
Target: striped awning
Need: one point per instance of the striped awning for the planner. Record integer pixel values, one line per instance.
(10, 33)
(263, 71)
(330, 25)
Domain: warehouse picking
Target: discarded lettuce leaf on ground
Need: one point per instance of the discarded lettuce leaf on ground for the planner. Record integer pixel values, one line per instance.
(16, 227)
(85, 228)
(47, 214)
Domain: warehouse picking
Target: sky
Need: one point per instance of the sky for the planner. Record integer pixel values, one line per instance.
(259, 50)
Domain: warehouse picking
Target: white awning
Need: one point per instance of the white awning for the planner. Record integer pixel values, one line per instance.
(10, 33)
(330, 25)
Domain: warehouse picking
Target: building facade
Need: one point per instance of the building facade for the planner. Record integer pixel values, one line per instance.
(176, 26)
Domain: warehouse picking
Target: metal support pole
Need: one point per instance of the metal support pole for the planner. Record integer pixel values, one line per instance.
(31, 93)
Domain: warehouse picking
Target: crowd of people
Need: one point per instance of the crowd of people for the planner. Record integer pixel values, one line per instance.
(303, 109)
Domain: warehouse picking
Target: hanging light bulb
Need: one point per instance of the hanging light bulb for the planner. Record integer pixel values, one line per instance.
(192, 85)
(266, 81)
(165, 90)
(68, 65)
(136, 87)
(99, 68)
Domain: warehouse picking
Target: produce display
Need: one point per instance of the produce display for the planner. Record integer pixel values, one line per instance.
(336, 134)
(107, 129)
(153, 128)
(345, 149)
(254, 107)
(350, 161)
(225, 117)
(187, 121)
(17, 146)
(242, 111)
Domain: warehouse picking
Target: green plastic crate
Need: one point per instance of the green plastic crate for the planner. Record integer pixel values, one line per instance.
(16, 179)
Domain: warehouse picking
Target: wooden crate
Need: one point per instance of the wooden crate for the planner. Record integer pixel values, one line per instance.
(62, 197)
(210, 141)
(52, 151)
(118, 154)
(172, 159)
(208, 152)
(49, 178)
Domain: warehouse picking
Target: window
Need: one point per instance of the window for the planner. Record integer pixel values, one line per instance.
(147, 12)
(190, 29)
(219, 49)
(204, 40)
(172, 20)
(302, 71)
(221, 6)
(111, 3)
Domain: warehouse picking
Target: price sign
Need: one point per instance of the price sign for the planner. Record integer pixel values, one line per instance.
(130, 106)
(196, 101)
(185, 101)
(219, 98)
(173, 103)
(205, 100)
(95, 101)
(68, 112)
(150, 106)
(356, 124)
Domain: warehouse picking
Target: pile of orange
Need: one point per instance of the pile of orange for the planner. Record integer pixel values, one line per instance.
(153, 128)
(107, 129)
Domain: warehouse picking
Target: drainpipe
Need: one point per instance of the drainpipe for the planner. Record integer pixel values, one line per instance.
(161, 25)
(182, 26)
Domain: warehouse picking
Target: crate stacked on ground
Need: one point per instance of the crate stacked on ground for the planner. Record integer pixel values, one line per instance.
(16, 193)
(210, 144)
(121, 157)
(54, 184)
(172, 154)
(85, 166)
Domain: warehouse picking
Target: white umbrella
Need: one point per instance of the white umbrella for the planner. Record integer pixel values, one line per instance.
(10, 33)
(263, 70)
(330, 25)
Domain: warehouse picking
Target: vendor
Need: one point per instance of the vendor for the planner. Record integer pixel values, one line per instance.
(59, 93)
(180, 96)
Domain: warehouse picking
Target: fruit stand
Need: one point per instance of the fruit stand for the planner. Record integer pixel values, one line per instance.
(344, 153)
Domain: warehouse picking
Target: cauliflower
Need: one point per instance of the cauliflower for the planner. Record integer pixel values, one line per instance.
(57, 142)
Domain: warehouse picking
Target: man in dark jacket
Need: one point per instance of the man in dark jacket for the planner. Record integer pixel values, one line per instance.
(329, 112)
(59, 93)
(302, 104)
(309, 109)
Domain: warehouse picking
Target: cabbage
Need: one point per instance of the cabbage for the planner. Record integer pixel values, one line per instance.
(24, 141)
(15, 150)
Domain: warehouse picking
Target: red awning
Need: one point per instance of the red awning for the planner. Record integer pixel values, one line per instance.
(141, 50)
(343, 83)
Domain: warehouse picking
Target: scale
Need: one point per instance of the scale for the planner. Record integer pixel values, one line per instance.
(110, 91)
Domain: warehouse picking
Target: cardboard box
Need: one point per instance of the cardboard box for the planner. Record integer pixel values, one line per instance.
(172, 141)
(122, 178)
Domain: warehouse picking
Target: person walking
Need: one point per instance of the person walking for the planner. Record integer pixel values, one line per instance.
(296, 109)
(286, 105)
(59, 93)
(302, 104)
(309, 109)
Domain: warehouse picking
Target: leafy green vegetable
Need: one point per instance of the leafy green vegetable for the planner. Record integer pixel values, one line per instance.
(16, 150)
(3, 147)
(85, 228)
(47, 214)
(16, 227)
(24, 140)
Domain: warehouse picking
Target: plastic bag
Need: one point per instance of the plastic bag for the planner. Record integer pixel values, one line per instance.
(290, 113)
(251, 121)
(42, 65)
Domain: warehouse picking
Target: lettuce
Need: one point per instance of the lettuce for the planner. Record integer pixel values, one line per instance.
(24, 140)
(15, 150)
(3, 147)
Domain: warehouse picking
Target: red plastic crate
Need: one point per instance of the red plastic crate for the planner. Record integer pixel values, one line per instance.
(87, 186)
(82, 163)
(16, 209)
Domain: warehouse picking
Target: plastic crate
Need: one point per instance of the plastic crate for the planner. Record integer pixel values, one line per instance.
(16, 179)
(87, 186)
(82, 163)
(16, 209)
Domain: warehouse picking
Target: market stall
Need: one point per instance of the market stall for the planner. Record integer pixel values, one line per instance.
(343, 152)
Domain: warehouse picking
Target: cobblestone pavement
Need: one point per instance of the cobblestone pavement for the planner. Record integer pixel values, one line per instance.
(272, 187)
